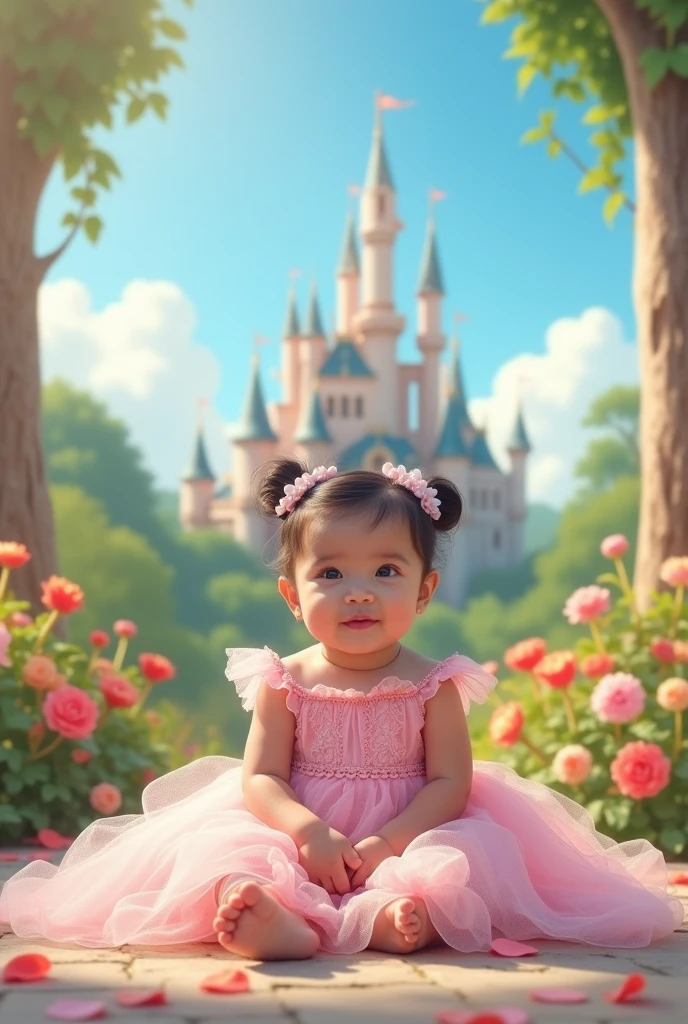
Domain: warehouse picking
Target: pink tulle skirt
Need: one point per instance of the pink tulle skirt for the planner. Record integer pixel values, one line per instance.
(522, 861)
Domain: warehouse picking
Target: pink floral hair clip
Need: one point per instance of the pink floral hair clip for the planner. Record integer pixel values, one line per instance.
(294, 492)
(413, 481)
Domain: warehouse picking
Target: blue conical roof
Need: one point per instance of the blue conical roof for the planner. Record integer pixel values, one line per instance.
(199, 467)
(254, 424)
(312, 426)
(480, 451)
(348, 258)
(430, 279)
(378, 173)
(518, 439)
(291, 320)
(456, 434)
(314, 327)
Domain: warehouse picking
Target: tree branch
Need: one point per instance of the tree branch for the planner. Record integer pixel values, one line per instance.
(46, 262)
(583, 168)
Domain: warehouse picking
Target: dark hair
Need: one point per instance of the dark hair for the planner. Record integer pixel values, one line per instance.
(357, 491)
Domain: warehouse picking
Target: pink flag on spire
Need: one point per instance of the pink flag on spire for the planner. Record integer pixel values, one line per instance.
(355, 190)
(387, 102)
(436, 195)
(294, 273)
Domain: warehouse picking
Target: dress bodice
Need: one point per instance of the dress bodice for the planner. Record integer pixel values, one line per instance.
(349, 734)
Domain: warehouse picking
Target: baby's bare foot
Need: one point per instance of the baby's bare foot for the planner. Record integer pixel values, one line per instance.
(253, 924)
(403, 926)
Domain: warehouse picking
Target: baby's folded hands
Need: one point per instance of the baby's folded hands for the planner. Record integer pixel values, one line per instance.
(325, 856)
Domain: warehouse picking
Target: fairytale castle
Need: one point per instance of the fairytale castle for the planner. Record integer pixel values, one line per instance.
(348, 400)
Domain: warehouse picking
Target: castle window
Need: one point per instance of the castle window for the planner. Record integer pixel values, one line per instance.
(496, 502)
(359, 406)
(497, 539)
(381, 205)
(330, 405)
(345, 405)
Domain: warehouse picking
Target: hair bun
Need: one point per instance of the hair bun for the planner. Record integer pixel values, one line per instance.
(271, 478)
(451, 504)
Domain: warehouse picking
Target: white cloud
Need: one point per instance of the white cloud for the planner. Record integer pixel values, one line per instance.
(583, 357)
(139, 356)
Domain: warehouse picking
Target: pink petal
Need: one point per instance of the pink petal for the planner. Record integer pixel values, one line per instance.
(503, 1014)
(26, 967)
(229, 982)
(558, 995)
(39, 855)
(631, 986)
(678, 878)
(508, 947)
(5, 858)
(76, 1009)
(141, 997)
(53, 840)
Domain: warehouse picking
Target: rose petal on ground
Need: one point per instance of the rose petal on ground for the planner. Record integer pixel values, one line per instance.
(228, 982)
(39, 855)
(501, 1014)
(559, 995)
(141, 997)
(27, 967)
(76, 1009)
(5, 858)
(678, 878)
(630, 987)
(53, 840)
(507, 947)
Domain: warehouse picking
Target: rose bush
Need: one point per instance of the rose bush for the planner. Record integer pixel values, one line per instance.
(603, 723)
(74, 740)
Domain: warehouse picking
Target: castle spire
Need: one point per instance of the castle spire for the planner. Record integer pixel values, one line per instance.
(457, 431)
(378, 174)
(314, 327)
(312, 428)
(430, 279)
(518, 439)
(199, 466)
(254, 424)
(291, 320)
(348, 257)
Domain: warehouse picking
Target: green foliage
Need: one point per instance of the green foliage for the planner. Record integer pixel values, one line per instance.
(608, 458)
(605, 460)
(626, 636)
(77, 63)
(570, 44)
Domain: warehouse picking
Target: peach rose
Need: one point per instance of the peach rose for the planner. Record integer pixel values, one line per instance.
(681, 650)
(674, 571)
(594, 666)
(105, 798)
(506, 723)
(672, 694)
(614, 546)
(13, 555)
(102, 666)
(641, 770)
(70, 712)
(572, 764)
(41, 673)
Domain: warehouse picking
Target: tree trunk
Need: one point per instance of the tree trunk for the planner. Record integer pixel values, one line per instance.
(660, 291)
(25, 509)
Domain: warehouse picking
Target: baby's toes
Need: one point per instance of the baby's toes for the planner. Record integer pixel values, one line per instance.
(229, 912)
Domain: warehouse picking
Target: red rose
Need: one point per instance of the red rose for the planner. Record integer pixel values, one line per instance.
(662, 649)
(118, 692)
(594, 666)
(61, 595)
(506, 723)
(70, 712)
(13, 555)
(524, 656)
(156, 668)
(99, 638)
(557, 669)
(80, 756)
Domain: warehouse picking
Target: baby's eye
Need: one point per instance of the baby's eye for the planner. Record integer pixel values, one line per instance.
(387, 570)
(326, 574)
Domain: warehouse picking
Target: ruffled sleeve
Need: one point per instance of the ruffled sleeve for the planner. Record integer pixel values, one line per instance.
(247, 666)
(473, 682)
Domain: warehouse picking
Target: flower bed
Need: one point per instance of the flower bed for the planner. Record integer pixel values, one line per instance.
(74, 742)
(604, 723)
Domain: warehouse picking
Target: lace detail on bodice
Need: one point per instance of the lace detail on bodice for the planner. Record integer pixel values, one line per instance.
(402, 771)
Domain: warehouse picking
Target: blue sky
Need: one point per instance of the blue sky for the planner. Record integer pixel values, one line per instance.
(270, 123)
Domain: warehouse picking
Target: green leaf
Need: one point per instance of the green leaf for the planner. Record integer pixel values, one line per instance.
(655, 64)
(93, 226)
(681, 770)
(159, 103)
(8, 815)
(171, 29)
(136, 108)
(598, 177)
(69, 220)
(61, 50)
(612, 205)
(55, 108)
(525, 75)
(13, 784)
(87, 196)
(679, 60)
(534, 135)
(672, 839)
(498, 10)
(597, 115)
(608, 577)
(595, 809)
(554, 148)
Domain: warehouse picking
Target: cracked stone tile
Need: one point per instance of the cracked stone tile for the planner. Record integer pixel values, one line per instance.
(30, 1007)
(80, 975)
(11, 946)
(410, 1005)
(336, 971)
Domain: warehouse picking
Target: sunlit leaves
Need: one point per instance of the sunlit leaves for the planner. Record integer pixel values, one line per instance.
(93, 226)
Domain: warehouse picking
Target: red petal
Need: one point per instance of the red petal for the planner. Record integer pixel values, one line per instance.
(39, 855)
(630, 987)
(52, 839)
(5, 858)
(500, 1015)
(76, 1009)
(558, 995)
(228, 982)
(678, 878)
(27, 967)
(507, 947)
(141, 997)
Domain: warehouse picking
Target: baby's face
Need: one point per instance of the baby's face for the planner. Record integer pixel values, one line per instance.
(350, 570)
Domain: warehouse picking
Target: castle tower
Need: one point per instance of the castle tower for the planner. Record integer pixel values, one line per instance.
(312, 348)
(348, 281)
(429, 339)
(290, 351)
(518, 447)
(312, 435)
(254, 442)
(377, 322)
(198, 485)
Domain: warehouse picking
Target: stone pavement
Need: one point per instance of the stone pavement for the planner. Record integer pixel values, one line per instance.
(372, 988)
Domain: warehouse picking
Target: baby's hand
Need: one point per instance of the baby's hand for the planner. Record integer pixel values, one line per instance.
(325, 855)
(372, 851)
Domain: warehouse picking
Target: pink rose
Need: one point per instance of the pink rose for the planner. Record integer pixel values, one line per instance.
(5, 641)
(70, 712)
(506, 723)
(641, 770)
(662, 649)
(587, 604)
(618, 698)
(80, 756)
(672, 694)
(118, 691)
(105, 798)
(614, 546)
(572, 764)
(20, 619)
(674, 571)
(125, 628)
(491, 667)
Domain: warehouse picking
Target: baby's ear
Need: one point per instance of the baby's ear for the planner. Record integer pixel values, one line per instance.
(289, 593)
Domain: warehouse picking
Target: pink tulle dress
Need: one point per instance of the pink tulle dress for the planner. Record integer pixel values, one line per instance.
(522, 861)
